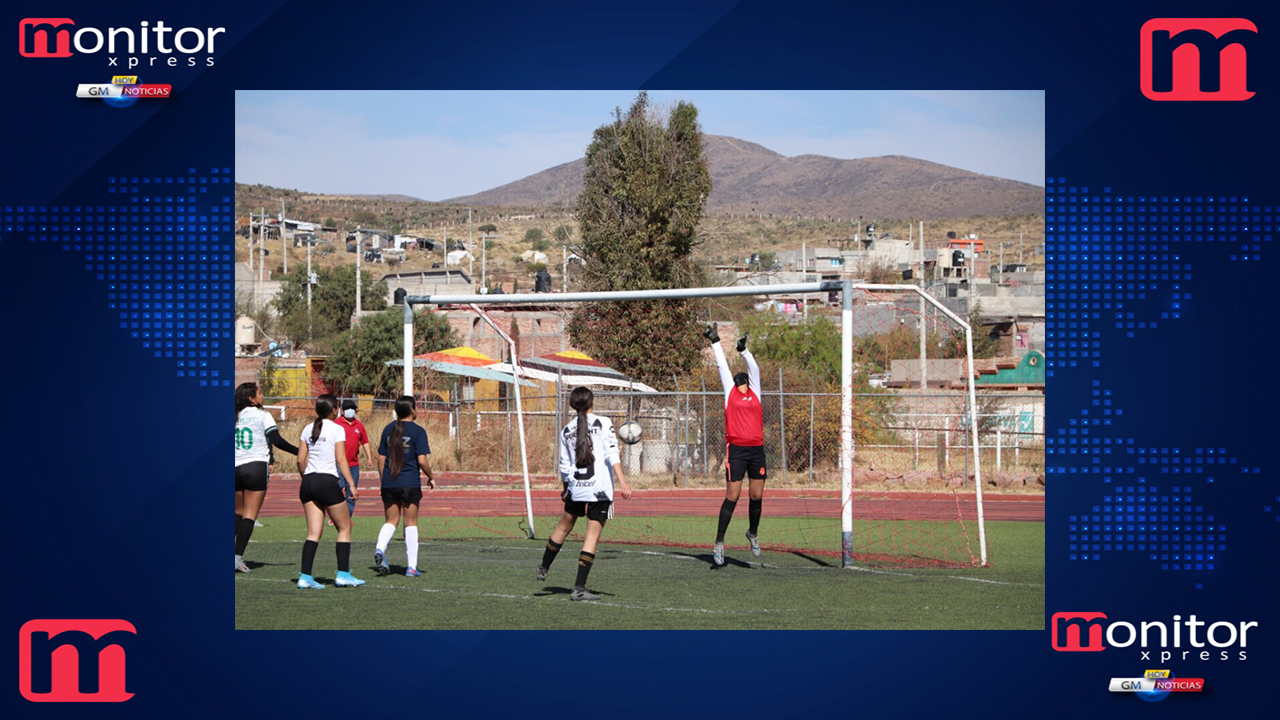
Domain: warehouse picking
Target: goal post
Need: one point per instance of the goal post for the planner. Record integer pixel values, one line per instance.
(847, 289)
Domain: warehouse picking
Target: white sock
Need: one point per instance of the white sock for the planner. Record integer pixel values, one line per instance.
(411, 544)
(384, 536)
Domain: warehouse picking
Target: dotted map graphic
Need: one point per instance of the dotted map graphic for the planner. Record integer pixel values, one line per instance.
(161, 246)
(1117, 271)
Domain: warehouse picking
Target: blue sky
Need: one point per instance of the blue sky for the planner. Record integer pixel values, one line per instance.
(441, 144)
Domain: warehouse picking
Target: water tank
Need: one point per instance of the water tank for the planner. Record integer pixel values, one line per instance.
(542, 281)
(246, 331)
(957, 258)
(399, 296)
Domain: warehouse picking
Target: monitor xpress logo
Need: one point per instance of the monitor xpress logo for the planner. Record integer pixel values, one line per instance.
(142, 46)
(1084, 632)
(74, 660)
(1197, 59)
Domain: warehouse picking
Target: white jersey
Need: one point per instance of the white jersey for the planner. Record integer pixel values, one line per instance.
(252, 425)
(320, 454)
(593, 483)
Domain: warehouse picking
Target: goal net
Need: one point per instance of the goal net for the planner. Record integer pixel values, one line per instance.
(880, 465)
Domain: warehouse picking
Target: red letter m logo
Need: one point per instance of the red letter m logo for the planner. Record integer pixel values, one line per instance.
(40, 37)
(1196, 59)
(1076, 632)
(74, 660)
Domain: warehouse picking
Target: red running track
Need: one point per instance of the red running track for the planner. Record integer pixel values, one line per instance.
(466, 495)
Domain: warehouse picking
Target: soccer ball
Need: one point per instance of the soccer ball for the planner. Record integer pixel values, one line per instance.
(629, 432)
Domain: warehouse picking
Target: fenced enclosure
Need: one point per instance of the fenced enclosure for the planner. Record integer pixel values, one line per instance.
(904, 440)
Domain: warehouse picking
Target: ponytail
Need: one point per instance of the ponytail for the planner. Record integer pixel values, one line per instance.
(581, 399)
(325, 405)
(395, 441)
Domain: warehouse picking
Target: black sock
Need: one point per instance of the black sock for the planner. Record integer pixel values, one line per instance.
(753, 512)
(549, 555)
(242, 535)
(344, 556)
(726, 514)
(238, 522)
(585, 560)
(309, 555)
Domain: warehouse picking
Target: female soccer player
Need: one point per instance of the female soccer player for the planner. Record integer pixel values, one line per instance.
(589, 467)
(402, 456)
(322, 459)
(744, 433)
(255, 434)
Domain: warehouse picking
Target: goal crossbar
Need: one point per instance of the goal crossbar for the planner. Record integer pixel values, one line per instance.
(844, 287)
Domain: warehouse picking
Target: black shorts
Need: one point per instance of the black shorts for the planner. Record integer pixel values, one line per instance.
(401, 495)
(252, 477)
(321, 489)
(745, 460)
(597, 510)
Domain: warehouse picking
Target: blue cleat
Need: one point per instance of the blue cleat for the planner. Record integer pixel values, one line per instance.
(306, 582)
(346, 579)
(412, 572)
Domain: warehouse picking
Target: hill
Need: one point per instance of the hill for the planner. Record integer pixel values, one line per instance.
(752, 179)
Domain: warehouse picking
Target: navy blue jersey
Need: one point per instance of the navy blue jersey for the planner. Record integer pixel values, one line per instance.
(415, 444)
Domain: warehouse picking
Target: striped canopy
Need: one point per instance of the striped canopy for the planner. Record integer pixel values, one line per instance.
(462, 361)
(574, 368)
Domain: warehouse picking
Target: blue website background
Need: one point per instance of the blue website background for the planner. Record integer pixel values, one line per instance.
(118, 433)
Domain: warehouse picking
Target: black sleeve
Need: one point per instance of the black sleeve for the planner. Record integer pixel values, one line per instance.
(273, 437)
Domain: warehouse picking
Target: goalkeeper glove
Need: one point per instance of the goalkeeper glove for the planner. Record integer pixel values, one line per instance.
(742, 342)
(712, 334)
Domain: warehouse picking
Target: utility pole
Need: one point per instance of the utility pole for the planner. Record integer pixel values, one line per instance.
(1019, 246)
(804, 276)
(564, 274)
(284, 246)
(924, 325)
(444, 256)
(262, 250)
(359, 260)
(310, 280)
(282, 240)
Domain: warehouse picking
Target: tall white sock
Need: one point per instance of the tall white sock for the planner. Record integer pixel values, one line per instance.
(411, 544)
(384, 536)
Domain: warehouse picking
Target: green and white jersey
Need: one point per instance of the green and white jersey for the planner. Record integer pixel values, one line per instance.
(251, 435)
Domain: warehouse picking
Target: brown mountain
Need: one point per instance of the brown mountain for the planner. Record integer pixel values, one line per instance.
(750, 178)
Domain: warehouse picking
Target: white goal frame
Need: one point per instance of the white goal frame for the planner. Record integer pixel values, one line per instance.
(846, 289)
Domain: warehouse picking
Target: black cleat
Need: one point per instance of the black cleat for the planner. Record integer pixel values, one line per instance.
(542, 573)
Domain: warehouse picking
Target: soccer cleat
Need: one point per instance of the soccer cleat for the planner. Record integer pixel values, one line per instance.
(742, 342)
(346, 579)
(241, 567)
(712, 334)
(306, 582)
(412, 572)
(755, 543)
(542, 573)
(717, 554)
(580, 593)
(258, 524)
(380, 563)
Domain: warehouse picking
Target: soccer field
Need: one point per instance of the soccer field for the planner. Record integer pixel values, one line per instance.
(489, 584)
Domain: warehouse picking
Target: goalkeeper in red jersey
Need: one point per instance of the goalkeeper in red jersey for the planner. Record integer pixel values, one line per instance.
(744, 433)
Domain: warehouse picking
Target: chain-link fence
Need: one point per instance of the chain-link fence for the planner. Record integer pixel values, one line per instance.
(910, 439)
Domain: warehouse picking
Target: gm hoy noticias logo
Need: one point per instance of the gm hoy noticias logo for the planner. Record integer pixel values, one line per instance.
(1186, 59)
(146, 45)
(1189, 639)
(74, 660)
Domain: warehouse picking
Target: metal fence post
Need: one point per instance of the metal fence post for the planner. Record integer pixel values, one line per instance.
(507, 438)
(555, 446)
(782, 424)
(811, 404)
(704, 426)
(999, 433)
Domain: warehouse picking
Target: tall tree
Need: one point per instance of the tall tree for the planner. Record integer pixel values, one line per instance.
(333, 301)
(358, 362)
(645, 186)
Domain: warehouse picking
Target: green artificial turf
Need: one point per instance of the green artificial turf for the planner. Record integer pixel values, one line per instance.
(489, 584)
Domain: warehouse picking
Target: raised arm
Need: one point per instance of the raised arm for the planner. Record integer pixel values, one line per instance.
(722, 364)
(753, 372)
